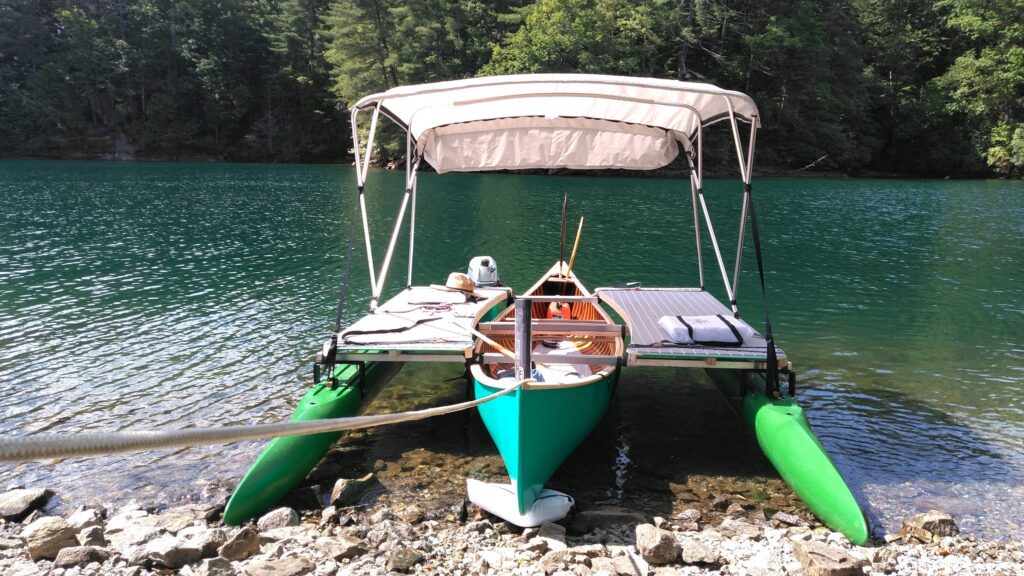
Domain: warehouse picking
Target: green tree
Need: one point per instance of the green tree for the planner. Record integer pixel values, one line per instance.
(599, 36)
(986, 81)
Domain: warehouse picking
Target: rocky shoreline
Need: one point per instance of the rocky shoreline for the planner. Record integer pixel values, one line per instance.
(363, 531)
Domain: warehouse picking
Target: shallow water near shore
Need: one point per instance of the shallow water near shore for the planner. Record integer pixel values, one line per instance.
(137, 296)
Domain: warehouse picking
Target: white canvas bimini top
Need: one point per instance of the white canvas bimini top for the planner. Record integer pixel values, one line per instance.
(556, 120)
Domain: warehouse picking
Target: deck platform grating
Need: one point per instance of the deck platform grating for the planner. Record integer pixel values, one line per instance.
(641, 308)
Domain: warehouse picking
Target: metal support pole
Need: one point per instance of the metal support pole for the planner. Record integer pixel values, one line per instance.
(524, 313)
(694, 186)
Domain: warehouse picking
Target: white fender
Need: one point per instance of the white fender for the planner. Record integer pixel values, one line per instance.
(500, 500)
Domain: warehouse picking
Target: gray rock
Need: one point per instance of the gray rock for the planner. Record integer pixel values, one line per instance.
(821, 560)
(125, 519)
(209, 540)
(656, 546)
(787, 519)
(328, 515)
(403, 559)
(214, 567)
(9, 543)
(175, 519)
(555, 560)
(618, 566)
(589, 550)
(131, 542)
(135, 536)
(80, 556)
(605, 518)
(928, 527)
(300, 535)
(241, 545)
(536, 545)
(278, 567)
(278, 518)
(689, 515)
(346, 491)
(735, 528)
(411, 514)
(341, 547)
(92, 536)
(45, 537)
(85, 518)
(554, 535)
(478, 527)
(693, 551)
(15, 505)
(172, 552)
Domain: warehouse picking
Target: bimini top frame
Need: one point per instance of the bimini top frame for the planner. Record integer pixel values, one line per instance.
(556, 121)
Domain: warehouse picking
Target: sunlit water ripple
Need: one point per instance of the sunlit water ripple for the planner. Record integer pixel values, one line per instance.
(138, 296)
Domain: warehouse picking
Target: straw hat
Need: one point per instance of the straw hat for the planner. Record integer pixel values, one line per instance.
(459, 282)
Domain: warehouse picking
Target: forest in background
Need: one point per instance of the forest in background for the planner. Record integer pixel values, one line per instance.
(916, 87)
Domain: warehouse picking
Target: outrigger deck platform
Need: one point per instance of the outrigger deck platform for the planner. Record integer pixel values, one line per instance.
(641, 308)
(422, 324)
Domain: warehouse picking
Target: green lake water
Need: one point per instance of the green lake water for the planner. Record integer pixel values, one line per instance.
(136, 296)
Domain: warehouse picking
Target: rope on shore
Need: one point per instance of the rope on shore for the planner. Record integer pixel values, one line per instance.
(47, 446)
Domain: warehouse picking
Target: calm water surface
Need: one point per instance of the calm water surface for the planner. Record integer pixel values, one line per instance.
(136, 296)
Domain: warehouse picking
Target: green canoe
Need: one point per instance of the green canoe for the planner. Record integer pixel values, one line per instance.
(538, 426)
(786, 439)
(286, 461)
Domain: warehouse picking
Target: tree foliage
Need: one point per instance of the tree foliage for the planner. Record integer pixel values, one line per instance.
(899, 86)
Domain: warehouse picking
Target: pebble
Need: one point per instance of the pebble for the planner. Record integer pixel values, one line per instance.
(398, 537)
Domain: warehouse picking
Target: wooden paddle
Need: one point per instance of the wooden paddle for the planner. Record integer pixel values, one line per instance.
(498, 347)
(561, 252)
(575, 246)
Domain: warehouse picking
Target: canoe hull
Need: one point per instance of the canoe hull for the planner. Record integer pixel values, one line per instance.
(536, 429)
(286, 461)
(785, 437)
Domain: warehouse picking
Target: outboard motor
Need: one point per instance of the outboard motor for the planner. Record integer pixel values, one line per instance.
(483, 271)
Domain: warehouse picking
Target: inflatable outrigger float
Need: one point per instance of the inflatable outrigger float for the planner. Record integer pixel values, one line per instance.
(556, 344)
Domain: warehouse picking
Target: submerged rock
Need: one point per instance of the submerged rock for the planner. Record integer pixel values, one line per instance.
(589, 520)
(346, 491)
(928, 527)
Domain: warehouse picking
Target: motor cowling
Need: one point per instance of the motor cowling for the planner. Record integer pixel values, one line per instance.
(483, 271)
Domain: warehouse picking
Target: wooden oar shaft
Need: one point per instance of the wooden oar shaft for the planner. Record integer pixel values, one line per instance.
(561, 251)
(498, 347)
(575, 246)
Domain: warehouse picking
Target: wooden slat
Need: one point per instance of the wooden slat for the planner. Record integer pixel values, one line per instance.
(603, 359)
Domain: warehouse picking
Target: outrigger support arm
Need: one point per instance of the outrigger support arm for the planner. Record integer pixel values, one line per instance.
(696, 183)
(361, 171)
(412, 163)
(714, 244)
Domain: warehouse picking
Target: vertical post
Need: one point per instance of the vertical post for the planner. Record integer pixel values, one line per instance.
(524, 313)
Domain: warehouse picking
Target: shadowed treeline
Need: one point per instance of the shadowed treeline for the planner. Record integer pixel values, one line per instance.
(920, 87)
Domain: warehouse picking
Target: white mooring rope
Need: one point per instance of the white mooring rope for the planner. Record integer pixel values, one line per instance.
(46, 446)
